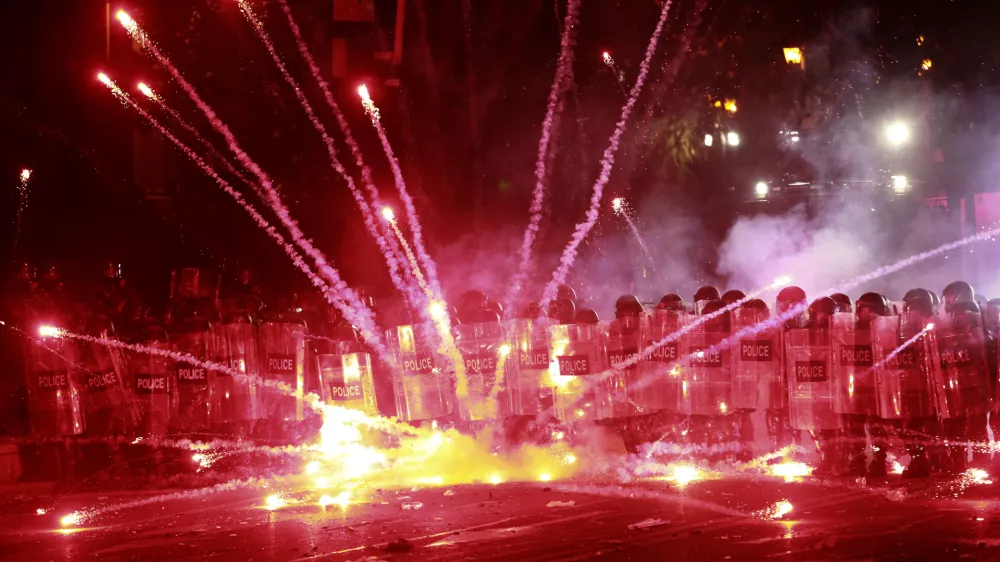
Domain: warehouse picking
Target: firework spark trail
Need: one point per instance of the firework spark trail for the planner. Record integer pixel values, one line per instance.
(900, 349)
(439, 318)
(329, 292)
(232, 485)
(607, 162)
(180, 357)
(179, 120)
(620, 207)
(345, 127)
(797, 309)
(22, 196)
(414, 265)
(366, 211)
(564, 68)
(619, 79)
(671, 69)
(404, 195)
(354, 310)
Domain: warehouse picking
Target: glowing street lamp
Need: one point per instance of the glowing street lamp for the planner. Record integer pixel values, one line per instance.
(732, 138)
(709, 139)
(897, 133)
(761, 189)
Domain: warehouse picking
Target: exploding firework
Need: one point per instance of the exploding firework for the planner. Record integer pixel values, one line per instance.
(564, 68)
(347, 301)
(607, 163)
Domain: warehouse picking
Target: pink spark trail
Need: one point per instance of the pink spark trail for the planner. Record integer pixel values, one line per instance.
(162, 103)
(332, 296)
(366, 211)
(564, 68)
(366, 173)
(607, 162)
(404, 195)
(799, 308)
(357, 313)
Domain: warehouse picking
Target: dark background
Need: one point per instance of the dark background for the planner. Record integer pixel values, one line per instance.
(464, 123)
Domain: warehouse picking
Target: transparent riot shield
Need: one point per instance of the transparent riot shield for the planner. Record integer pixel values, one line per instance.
(528, 385)
(349, 382)
(964, 387)
(659, 371)
(624, 337)
(55, 405)
(853, 362)
(110, 403)
(480, 345)
(283, 358)
(194, 391)
(903, 374)
(706, 375)
(577, 361)
(234, 398)
(811, 393)
(154, 387)
(421, 390)
(759, 381)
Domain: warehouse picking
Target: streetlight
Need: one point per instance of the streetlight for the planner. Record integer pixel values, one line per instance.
(709, 139)
(761, 189)
(897, 133)
(732, 138)
(899, 183)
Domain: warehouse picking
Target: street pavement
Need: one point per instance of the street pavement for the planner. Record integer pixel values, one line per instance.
(731, 518)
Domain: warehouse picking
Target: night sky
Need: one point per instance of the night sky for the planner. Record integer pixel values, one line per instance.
(467, 141)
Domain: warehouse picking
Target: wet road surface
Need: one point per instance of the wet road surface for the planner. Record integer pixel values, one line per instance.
(727, 519)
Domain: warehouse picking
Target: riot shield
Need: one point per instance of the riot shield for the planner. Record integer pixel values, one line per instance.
(194, 391)
(154, 387)
(348, 381)
(624, 338)
(903, 374)
(658, 371)
(577, 361)
(964, 387)
(811, 393)
(55, 407)
(759, 381)
(528, 387)
(421, 390)
(706, 375)
(111, 407)
(283, 358)
(234, 398)
(853, 362)
(480, 346)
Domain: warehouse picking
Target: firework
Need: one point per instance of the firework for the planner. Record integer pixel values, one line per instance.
(404, 195)
(390, 217)
(355, 310)
(619, 79)
(331, 292)
(620, 207)
(564, 68)
(607, 162)
(145, 90)
(793, 311)
(345, 128)
(22, 196)
(366, 211)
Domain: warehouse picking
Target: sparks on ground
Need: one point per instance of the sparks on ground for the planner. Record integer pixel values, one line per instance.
(791, 471)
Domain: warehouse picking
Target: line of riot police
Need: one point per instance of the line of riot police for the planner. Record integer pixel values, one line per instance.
(856, 378)
(273, 361)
